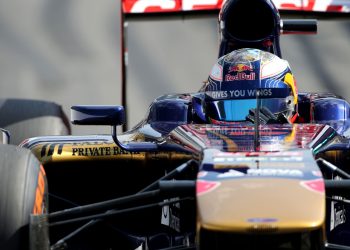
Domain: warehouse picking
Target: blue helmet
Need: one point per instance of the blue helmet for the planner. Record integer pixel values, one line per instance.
(236, 78)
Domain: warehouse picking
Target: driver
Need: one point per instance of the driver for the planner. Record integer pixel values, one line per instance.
(247, 80)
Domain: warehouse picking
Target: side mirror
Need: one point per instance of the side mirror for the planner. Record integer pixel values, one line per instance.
(100, 115)
(97, 115)
(114, 116)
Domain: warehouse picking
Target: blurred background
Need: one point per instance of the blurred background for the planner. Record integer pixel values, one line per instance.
(69, 52)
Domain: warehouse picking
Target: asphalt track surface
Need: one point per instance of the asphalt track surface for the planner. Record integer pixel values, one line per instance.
(69, 52)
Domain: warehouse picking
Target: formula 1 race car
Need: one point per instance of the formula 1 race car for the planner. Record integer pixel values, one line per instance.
(178, 181)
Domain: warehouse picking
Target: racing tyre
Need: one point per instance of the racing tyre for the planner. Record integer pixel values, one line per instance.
(23, 191)
(30, 118)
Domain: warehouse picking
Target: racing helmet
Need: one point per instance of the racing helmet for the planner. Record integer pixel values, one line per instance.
(244, 79)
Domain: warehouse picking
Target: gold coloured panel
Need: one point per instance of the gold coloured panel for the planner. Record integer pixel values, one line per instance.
(284, 205)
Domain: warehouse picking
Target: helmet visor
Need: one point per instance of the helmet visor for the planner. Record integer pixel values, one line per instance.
(237, 110)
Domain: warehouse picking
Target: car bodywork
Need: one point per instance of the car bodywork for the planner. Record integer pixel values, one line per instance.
(175, 182)
(273, 186)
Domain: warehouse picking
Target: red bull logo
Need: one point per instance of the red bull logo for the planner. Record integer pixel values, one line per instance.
(240, 76)
(240, 68)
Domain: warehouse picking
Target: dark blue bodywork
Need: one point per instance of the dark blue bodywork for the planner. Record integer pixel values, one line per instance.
(169, 111)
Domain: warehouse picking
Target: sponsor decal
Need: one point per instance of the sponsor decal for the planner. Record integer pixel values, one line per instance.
(217, 94)
(266, 172)
(275, 172)
(203, 187)
(231, 173)
(240, 68)
(262, 220)
(99, 151)
(171, 215)
(82, 150)
(240, 76)
(220, 128)
(141, 6)
(149, 6)
(250, 154)
(338, 211)
(260, 164)
(262, 133)
(239, 93)
(338, 214)
(257, 158)
(49, 149)
(144, 6)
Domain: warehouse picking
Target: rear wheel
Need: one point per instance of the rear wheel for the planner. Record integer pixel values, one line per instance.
(23, 191)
